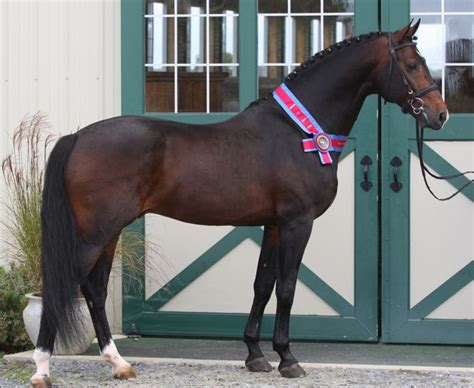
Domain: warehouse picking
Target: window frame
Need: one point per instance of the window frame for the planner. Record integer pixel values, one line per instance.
(133, 61)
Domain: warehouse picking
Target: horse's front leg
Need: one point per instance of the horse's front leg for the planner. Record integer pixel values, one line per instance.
(293, 239)
(263, 287)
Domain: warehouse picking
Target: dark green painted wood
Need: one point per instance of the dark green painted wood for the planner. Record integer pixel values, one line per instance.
(366, 226)
(445, 291)
(194, 118)
(201, 265)
(435, 331)
(325, 292)
(348, 148)
(133, 55)
(366, 16)
(458, 128)
(441, 166)
(133, 281)
(248, 72)
(232, 325)
(133, 84)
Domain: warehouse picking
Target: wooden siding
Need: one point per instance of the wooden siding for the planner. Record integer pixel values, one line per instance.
(61, 58)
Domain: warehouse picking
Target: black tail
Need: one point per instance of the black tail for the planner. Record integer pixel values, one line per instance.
(60, 245)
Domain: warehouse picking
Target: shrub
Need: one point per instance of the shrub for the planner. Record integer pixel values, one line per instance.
(14, 284)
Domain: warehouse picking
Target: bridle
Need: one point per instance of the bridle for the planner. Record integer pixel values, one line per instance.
(415, 101)
(416, 104)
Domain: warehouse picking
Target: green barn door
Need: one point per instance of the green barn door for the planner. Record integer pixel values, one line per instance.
(199, 283)
(427, 250)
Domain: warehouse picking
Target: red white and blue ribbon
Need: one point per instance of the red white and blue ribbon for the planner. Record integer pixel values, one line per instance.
(320, 141)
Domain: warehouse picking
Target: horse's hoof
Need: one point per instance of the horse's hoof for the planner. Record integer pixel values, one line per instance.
(125, 372)
(41, 381)
(292, 372)
(258, 365)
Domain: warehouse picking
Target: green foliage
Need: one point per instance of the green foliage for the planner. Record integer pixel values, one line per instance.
(23, 171)
(14, 284)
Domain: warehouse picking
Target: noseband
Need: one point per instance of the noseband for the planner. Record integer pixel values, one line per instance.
(415, 101)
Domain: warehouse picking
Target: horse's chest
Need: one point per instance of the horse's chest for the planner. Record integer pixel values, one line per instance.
(323, 191)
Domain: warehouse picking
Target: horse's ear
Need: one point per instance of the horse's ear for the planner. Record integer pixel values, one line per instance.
(413, 29)
(408, 31)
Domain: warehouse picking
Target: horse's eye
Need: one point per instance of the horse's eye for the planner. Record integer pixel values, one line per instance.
(411, 65)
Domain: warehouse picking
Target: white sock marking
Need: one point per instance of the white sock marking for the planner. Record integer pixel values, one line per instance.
(41, 358)
(113, 357)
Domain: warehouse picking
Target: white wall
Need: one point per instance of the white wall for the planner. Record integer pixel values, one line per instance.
(60, 57)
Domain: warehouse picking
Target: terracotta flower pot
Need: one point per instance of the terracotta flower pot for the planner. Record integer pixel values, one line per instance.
(32, 318)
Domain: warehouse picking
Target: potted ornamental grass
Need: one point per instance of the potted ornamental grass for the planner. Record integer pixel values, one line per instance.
(20, 284)
(23, 172)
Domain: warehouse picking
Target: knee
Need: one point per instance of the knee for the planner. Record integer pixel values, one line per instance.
(263, 290)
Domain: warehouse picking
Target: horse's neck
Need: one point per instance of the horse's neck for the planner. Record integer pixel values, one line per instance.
(334, 90)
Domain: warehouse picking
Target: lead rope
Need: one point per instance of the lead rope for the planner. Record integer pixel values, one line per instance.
(424, 169)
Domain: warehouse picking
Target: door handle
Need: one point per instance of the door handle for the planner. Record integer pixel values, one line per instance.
(366, 162)
(396, 162)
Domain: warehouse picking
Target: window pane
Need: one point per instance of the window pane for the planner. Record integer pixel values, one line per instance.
(271, 39)
(459, 6)
(191, 90)
(337, 28)
(338, 5)
(269, 77)
(224, 92)
(159, 41)
(305, 6)
(223, 6)
(159, 7)
(191, 6)
(459, 38)
(192, 41)
(223, 38)
(425, 5)
(460, 89)
(307, 37)
(430, 41)
(273, 6)
(159, 90)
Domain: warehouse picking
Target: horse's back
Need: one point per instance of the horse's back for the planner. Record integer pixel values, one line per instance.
(236, 172)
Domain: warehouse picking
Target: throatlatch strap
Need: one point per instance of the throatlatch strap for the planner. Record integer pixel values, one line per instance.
(320, 142)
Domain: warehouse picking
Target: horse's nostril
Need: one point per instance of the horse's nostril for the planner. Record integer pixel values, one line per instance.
(442, 117)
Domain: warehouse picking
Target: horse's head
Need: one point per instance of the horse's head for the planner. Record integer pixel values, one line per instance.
(406, 80)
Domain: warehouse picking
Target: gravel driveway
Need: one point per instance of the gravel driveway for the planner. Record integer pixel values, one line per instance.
(166, 373)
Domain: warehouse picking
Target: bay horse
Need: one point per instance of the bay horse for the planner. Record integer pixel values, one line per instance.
(249, 170)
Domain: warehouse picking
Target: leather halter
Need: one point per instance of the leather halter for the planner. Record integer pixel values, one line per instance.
(415, 102)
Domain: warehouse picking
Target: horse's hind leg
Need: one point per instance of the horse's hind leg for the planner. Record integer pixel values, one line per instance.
(293, 240)
(94, 289)
(42, 354)
(263, 287)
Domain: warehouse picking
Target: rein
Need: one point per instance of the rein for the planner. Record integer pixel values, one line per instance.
(424, 169)
(415, 103)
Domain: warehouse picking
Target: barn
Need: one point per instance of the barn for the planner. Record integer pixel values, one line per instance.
(386, 263)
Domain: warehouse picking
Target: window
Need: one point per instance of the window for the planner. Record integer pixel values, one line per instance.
(290, 31)
(192, 60)
(448, 24)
